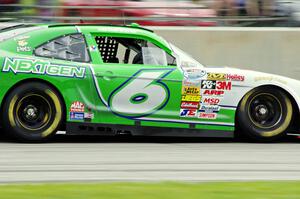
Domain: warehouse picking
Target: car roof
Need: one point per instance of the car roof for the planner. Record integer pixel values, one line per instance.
(133, 25)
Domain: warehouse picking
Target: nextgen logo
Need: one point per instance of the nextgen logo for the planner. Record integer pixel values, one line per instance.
(41, 67)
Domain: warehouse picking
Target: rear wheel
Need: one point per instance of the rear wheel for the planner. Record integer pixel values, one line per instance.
(32, 112)
(265, 114)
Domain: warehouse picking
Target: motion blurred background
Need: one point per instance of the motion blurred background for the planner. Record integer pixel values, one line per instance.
(259, 35)
(156, 12)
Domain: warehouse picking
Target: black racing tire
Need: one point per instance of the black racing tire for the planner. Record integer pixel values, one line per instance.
(264, 114)
(32, 112)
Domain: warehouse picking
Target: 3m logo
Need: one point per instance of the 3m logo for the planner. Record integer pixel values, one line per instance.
(208, 84)
(224, 85)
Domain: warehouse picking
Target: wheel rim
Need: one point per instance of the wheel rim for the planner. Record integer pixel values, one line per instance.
(33, 112)
(265, 110)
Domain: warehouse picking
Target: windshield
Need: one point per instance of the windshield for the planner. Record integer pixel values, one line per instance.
(184, 60)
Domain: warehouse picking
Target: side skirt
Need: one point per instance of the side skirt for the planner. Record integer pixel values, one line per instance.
(75, 128)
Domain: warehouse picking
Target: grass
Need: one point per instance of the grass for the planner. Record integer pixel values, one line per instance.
(165, 190)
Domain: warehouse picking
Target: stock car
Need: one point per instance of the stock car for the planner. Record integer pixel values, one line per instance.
(109, 80)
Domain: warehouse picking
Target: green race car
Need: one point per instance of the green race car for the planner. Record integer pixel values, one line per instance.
(110, 80)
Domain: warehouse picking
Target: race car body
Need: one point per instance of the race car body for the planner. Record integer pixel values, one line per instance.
(110, 80)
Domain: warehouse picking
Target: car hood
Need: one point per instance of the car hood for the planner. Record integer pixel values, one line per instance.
(253, 75)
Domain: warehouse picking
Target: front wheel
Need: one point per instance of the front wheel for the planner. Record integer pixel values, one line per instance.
(265, 114)
(32, 112)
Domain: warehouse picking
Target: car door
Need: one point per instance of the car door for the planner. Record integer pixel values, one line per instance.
(136, 81)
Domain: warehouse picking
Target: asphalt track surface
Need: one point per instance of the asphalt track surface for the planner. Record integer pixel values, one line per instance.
(90, 159)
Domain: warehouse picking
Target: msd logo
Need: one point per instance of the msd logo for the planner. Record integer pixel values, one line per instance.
(188, 112)
(211, 101)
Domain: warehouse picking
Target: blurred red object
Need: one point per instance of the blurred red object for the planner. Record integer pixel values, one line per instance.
(164, 10)
(8, 1)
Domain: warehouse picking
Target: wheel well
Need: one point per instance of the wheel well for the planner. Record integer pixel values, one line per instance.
(63, 127)
(296, 114)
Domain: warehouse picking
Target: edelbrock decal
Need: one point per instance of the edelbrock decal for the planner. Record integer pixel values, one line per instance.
(18, 65)
(189, 105)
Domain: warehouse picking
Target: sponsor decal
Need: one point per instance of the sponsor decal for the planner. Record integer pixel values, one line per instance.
(18, 65)
(223, 85)
(190, 98)
(76, 116)
(208, 84)
(190, 90)
(22, 44)
(235, 77)
(77, 107)
(188, 112)
(216, 76)
(193, 74)
(88, 115)
(210, 116)
(213, 84)
(209, 108)
(189, 105)
(23, 49)
(93, 48)
(77, 111)
(188, 82)
(210, 100)
(213, 92)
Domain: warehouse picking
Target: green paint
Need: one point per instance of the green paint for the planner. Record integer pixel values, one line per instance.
(19, 66)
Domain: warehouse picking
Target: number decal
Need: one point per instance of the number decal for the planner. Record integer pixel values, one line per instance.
(141, 95)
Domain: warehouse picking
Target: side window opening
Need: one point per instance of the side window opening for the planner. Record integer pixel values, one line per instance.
(132, 51)
(68, 47)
